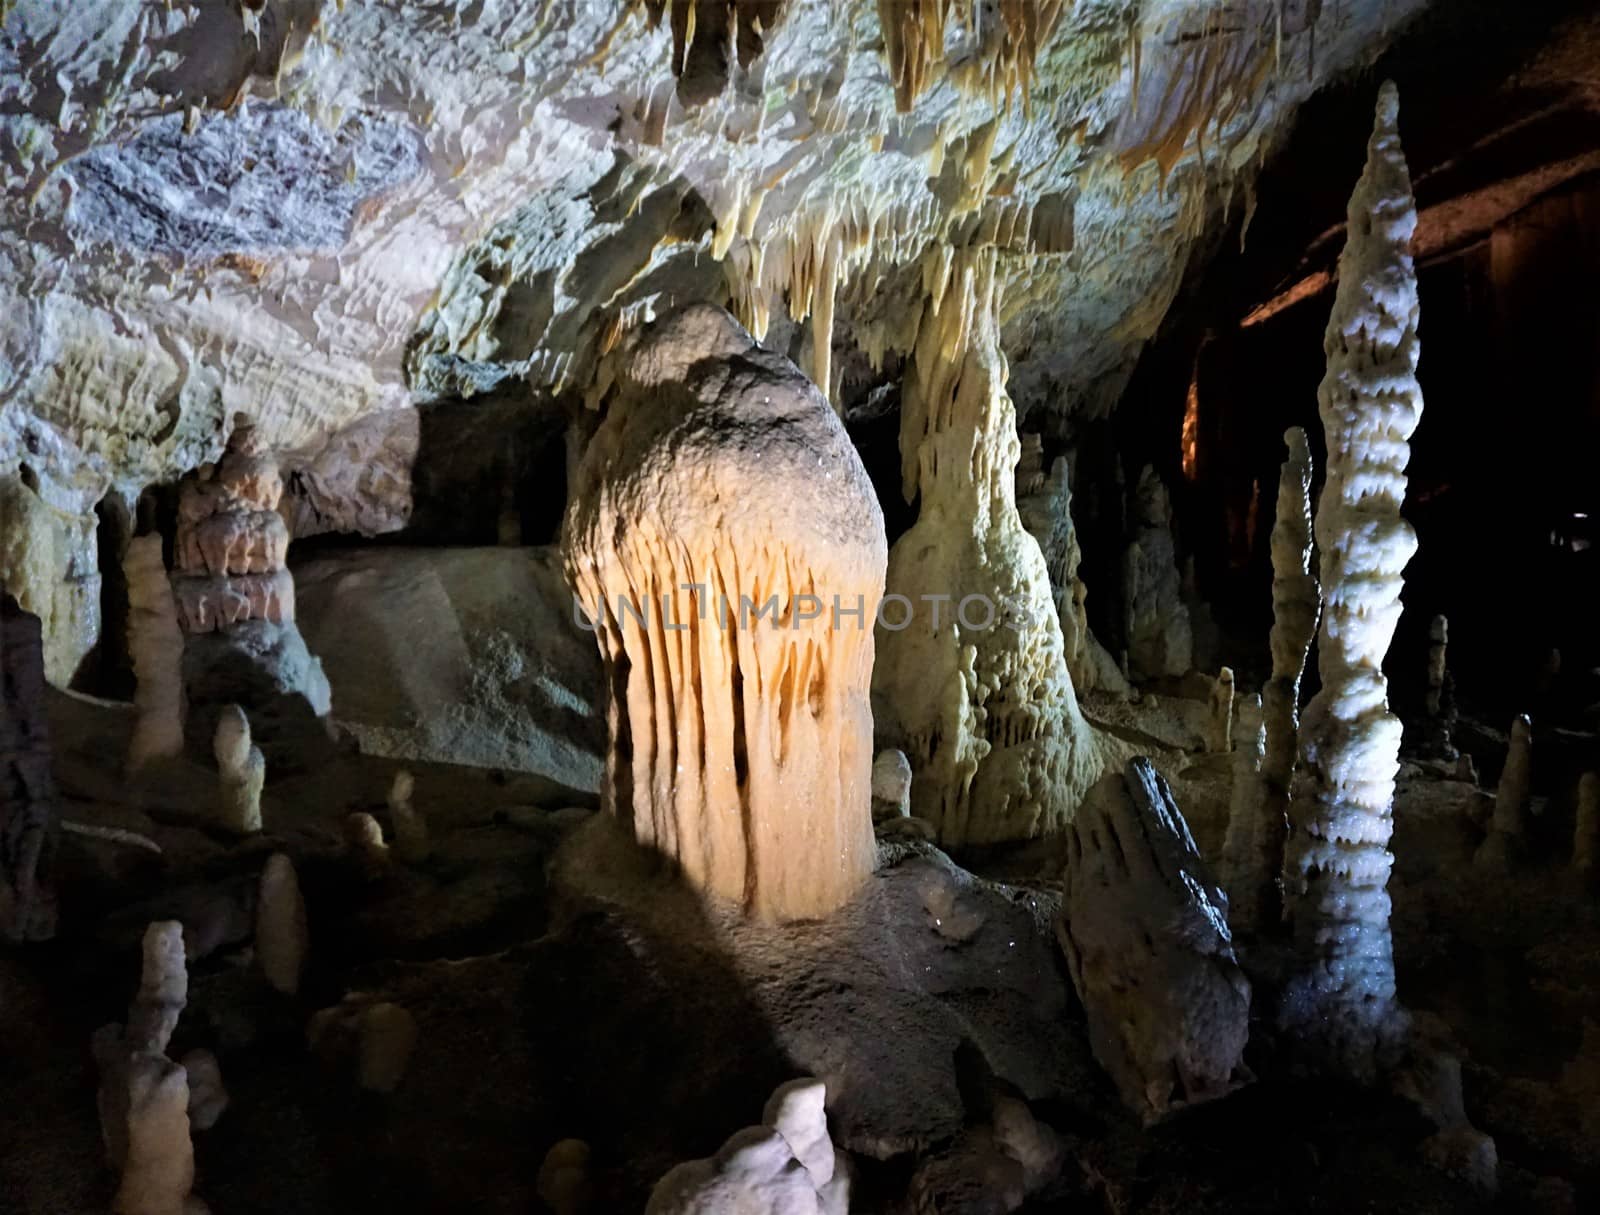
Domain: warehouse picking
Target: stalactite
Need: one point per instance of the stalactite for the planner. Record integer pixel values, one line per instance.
(1003, 56)
(978, 698)
(1341, 1002)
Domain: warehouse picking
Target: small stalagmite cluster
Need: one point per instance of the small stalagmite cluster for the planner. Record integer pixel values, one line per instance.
(1259, 823)
(1341, 1005)
(971, 680)
(728, 546)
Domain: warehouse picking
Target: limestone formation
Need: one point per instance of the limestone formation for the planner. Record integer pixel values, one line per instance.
(1340, 1005)
(1144, 928)
(994, 1166)
(1219, 739)
(787, 1166)
(155, 644)
(1586, 832)
(564, 1184)
(364, 843)
(410, 828)
(1239, 865)
(724, 537)
(208, 1098)
(387, 1039)
(48, 559)
(235, 598)
(1044, 504)
(1157, 631)
(891, 786)
(1255, 872)
(282, 937)
(381, 1035)
(241, 772)
(29, 821)
(1438, 644)
(144, 1097)
(1506, 843)
(971, 680)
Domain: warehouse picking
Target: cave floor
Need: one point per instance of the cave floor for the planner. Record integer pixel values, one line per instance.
(565, 988)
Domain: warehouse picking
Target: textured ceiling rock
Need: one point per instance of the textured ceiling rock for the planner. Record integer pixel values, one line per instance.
(313, 211)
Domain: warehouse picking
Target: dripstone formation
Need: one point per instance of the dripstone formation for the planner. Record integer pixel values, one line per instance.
(724, 536)
(1341, 1006)
(29, 825)
(235, 604)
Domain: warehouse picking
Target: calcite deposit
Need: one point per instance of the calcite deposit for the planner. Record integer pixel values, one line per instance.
(144, 1096)
(785, 1166)
(649, 481)
(29, 819)
(971, 680)
(1341, 1006)
(235, 598)
(1157, 629)
(1145, 930)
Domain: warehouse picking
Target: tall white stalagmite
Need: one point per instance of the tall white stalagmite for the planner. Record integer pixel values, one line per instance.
(1340, 1003)
(971, 680)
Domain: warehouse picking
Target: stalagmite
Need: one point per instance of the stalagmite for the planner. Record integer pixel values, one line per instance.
(1220, 734)
(729, 548)
(1586, 831)
(1506, 842)
(235, 603)
(282, 937)
(410, 828)
(155, 643)
(29, 822)
(387, 1039)
(1296, 603)
(241, 772)
(364, 844)
(1340, 1004)
(971, 680)
(208, 1097)
(786, 1166)
(1044, 503)
(1439, 720)
(144, 1096)
(1438, 643)
(1158, 632)
(891, 786)
(1144, 928)
(1240, 851)
(564, 1184)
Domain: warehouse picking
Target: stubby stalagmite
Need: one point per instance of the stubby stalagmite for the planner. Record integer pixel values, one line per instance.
(727, 544)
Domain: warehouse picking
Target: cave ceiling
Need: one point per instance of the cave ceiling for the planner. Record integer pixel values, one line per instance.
(328, 214)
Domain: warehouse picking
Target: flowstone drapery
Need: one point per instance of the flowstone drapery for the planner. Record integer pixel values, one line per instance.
(971, 680)
(729, 548)
(1341, 1002)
